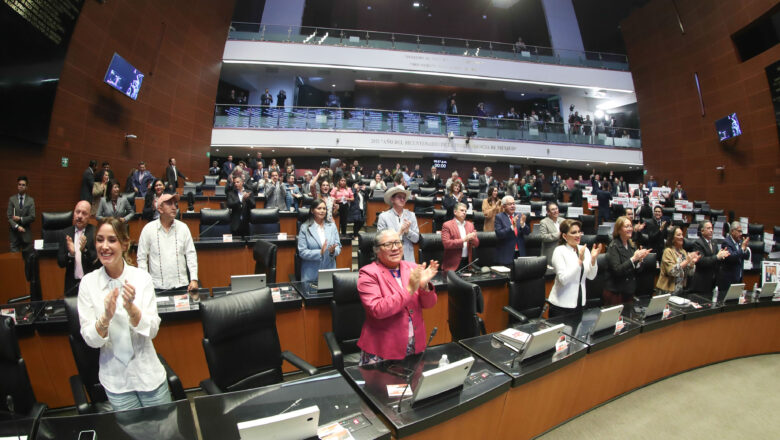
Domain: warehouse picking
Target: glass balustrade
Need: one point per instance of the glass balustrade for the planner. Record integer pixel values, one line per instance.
(425, 43)
(388, 121)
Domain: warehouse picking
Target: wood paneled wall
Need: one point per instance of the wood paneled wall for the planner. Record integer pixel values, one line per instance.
(178, 44)
(680, 143)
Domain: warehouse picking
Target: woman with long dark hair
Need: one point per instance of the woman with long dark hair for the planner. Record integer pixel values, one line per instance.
(318, 242)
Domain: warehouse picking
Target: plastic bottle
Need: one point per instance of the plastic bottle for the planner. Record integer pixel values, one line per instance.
(444, 360)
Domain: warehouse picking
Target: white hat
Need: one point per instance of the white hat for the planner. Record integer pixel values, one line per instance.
(395, 190)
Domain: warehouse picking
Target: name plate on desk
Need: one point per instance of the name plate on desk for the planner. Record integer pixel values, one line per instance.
(227, 238)
(525, 209)
(181, 302)
(282, 236)
(574, 211)
(683, 205)
(37, 245)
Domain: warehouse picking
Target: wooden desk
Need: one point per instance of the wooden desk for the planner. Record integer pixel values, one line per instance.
(12, 273)
(372, 207)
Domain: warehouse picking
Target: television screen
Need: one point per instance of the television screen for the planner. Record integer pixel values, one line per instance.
(124, 77)
(728, 127)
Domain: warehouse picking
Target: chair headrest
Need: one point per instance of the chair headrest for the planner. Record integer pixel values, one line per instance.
(56, 220)
(455, 283)
(423, 201)
(755, 229)
(431, 242)
(209, 216)
(528, 268)
(345, 287)
(366, 240)
(487, 238)
(237, 314)
(264, 215)
(262, 248)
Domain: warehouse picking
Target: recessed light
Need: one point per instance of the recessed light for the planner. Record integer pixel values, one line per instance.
(333, 85)
(522, 94)
(484, 17)
(416, 4)
(368, 7)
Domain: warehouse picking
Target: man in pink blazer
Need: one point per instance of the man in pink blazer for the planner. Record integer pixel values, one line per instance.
(394, 292)
(459, 238)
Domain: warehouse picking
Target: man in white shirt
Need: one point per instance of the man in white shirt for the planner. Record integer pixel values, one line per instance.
(400, 220)
(166, 250)
(550, 230)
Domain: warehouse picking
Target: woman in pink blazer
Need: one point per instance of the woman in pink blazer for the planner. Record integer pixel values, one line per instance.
(394, 292)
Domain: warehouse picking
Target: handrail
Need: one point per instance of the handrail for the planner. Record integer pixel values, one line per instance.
(423, 123)
(425, 43)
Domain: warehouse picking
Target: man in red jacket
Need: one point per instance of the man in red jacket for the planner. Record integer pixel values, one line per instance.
(459, 238)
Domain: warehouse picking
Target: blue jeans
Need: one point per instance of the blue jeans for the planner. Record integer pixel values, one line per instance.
(138, 399)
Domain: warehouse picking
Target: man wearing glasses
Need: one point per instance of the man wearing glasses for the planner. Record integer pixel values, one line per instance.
(401, 220)
(731, 266)
(393, 293)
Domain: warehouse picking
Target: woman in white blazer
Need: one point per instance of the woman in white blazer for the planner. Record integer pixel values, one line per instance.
(573, 264)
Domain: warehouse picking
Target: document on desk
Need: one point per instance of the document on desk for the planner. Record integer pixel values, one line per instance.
(333, 431)
(514, 338)
(396, 390)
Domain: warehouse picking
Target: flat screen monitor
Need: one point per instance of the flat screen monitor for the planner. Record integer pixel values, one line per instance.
(122, 76)
(728, 127)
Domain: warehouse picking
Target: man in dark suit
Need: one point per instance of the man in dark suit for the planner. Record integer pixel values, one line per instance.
(21, 214)
(603, 196)
(679, 193)
(704, 278)
(486, 180)
(172, 174)
(511, 231)
(474, 174)
(240, 201)
(595, 182)
(731, 267)
(88, 180)
(77, 252)
(227, 167)
(257, 161)
(656, 230)
(434, 180)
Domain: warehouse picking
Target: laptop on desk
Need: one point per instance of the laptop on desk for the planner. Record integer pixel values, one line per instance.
(247, 283)
(768, 290)
(441, 379)
(607, 318)
(325, 278)
(656, 305)
(734, 292)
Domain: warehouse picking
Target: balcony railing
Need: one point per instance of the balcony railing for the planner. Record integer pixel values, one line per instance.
(425, 43)
(389, 121)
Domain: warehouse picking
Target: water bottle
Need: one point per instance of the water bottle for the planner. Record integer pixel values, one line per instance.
(444, 360)
(714, 295)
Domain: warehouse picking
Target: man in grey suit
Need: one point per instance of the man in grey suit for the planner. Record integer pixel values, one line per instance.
(275, 193)
(550, 230)
(21, 214)
(486, 180)
(400, 220)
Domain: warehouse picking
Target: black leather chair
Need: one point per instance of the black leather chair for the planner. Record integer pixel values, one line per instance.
(32, 272)
(715, 213)
(755, 231)
(756, 252)
(210, 180)
(15, 383)
(214, 222)
(366, 248)
(264, 221)
(427, 191)
(645, 277)
(88, 393)
(264, 253)
(439, 217)
(464, 303)
(533, 245)
(348, 316)
(588, 223)
(52, 224)
(478, 218)
(473, 192)
(303, 214)
(699, 203)
(618, 211)
(536, 207)
(476, 204)
(668, 212)
(588, 240)
(688, 244)
(526, 289)
(594, 289)
(547, 196)
(423, 204)
(431, 248)
(241, 343)
(563, 208)
(486, 252)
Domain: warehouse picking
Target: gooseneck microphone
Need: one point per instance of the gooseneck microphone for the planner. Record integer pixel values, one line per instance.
(416, 365)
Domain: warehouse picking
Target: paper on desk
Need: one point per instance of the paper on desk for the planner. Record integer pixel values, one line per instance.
(396, 390)
(333, 431)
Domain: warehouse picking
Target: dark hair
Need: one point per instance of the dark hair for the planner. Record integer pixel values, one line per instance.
(566, 226)
(20, 178)
(92, 163)
(314, 204)
(670, 238)
(550, 203)
(154, 182)
(105, 162)
(170, 159)
(110, 187)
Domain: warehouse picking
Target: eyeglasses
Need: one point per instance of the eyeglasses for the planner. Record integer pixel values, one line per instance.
(390, 245)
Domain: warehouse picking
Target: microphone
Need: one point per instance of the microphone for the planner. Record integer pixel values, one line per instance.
(466, 266)
(9, 402)
(207, 229)
(190, 202)
(416, 365)
(420, 226)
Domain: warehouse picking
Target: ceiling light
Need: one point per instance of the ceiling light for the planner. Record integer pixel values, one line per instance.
(484, 17)
(599, 114)
(333, 85)
(522, 94)
(368, 7)
(416, 4)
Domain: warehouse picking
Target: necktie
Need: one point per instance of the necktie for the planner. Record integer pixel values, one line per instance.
(119, 328)
(515, 228)
(78, 270)
(21, 203)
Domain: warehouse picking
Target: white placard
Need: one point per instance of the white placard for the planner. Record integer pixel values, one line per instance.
(717, 230)
(683, 205)
(37, 245)
(633, 187)
(769, 241)
(699, 217)
(525, 209)
(677, 216)
(354, 39)
(432, 124)
(593, 202)
(693, 231)
(573, 211)
(321, 119)
(622, 200)
(282, 236)
(227, 238)
(744, 222)
(769, 273)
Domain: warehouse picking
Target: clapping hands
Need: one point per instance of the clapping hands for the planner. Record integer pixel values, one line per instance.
(422, 275)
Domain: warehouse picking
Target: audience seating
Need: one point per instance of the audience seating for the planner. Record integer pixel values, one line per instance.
(52, 224)
(219, 190)
(423, 204)
(439, 216)
(594, 289)
(264, 253)
(533, 245)
(348, 316)
(15, 383)
(366, 248)
(478, 218)
(588, 223)
(214, 222)
(588, 240)
(88, 393)
(210, 180)
(427, 191)
(241, 343)
(264, 221)
(755, 231)
(536, 207)
(526, 289)
(464, 303)
(715, 213)
(547, 196)
(645, 277)
(486, 252)
(756, 252)
(431, 248)
(563, 208)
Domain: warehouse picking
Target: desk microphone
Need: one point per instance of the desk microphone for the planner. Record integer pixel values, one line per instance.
(416, 365)
(457, 272)
(207, 229)
(420, 226)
